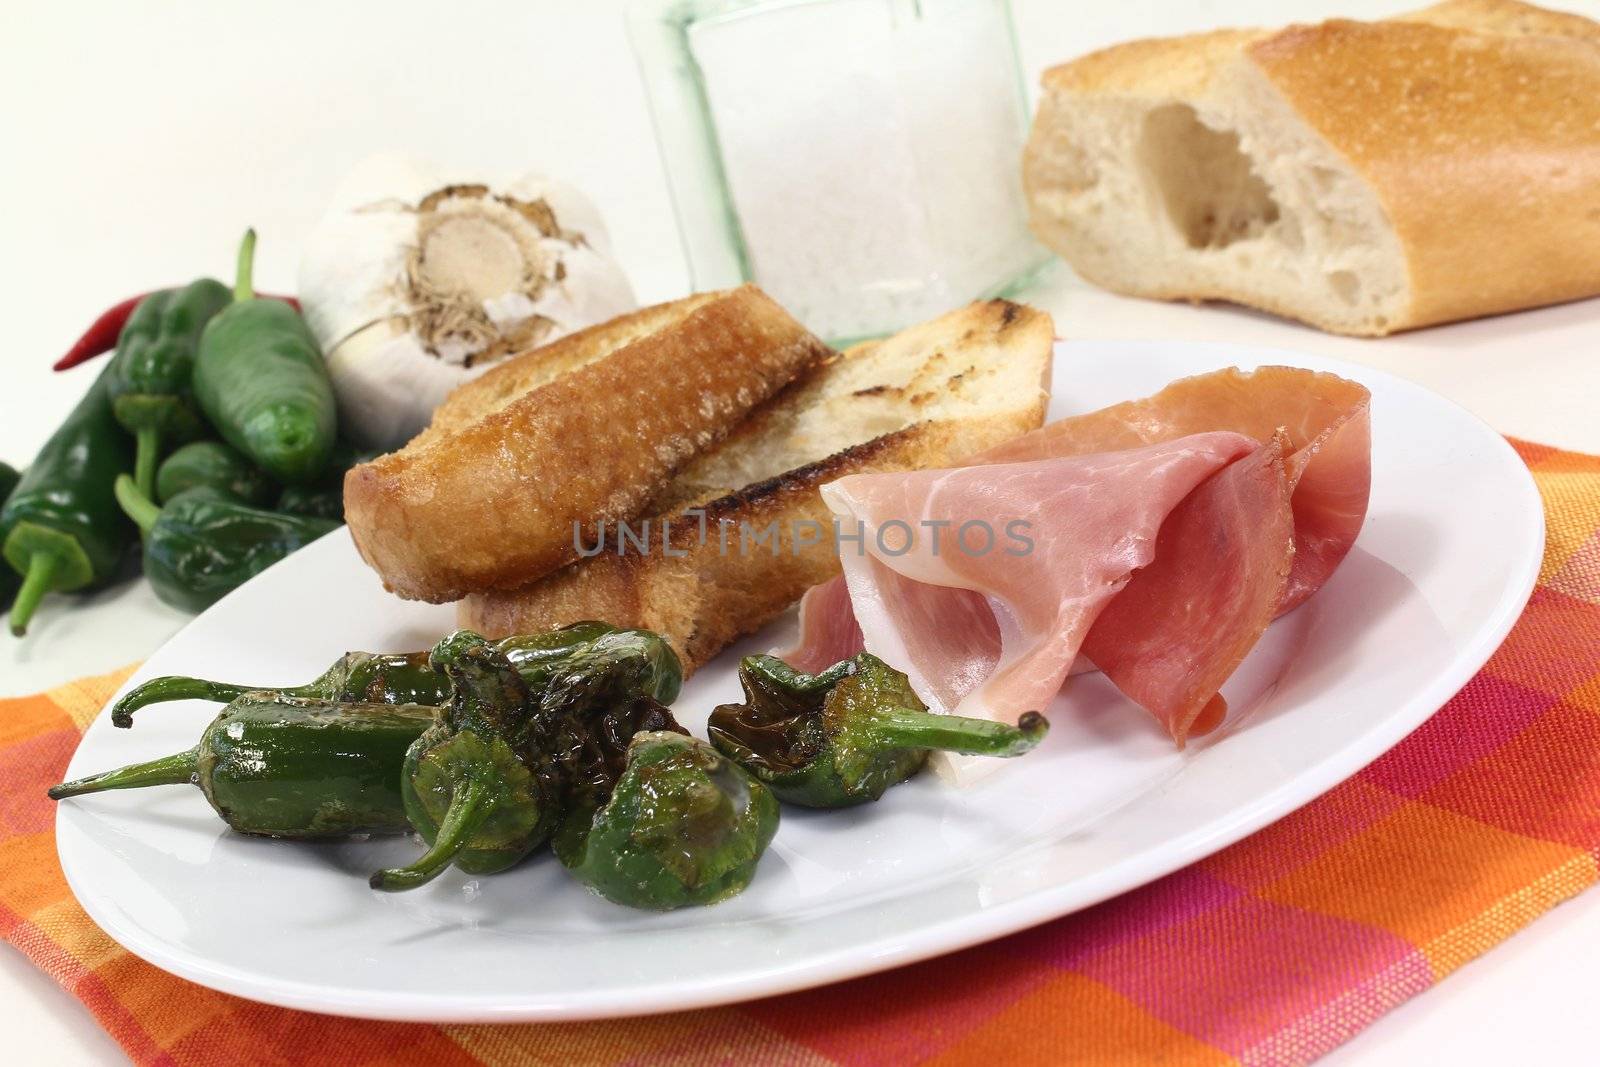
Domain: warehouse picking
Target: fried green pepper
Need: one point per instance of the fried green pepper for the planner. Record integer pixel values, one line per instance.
(289, 767)
(261, 380)
(489, 781)
(406, 678)
(682, 826)
(61, 529)
(204, 544)
(846, 735)
(467, 790)
(150, 377)
(213, 465)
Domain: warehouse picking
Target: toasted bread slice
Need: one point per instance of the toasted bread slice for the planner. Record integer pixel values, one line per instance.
(926, 397)
(521, 463)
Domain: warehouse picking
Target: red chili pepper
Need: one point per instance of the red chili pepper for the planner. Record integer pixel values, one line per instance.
(102, 334)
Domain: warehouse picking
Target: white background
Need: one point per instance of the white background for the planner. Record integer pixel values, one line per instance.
(140, 138)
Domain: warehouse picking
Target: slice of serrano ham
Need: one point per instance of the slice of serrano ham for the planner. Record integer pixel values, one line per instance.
(1248, 540)
(988, 623)
(1327, 430)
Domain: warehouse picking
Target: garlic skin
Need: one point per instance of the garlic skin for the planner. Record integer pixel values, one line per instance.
(417, 279)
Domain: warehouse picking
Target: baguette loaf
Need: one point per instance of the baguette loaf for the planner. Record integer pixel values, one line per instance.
(926, 397)
(586, 429)
(1362, 177)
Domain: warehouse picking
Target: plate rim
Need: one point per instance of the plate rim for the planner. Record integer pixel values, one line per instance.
(948, 934)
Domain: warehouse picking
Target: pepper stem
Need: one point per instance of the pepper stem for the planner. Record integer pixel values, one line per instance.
(147, 449)
(139, 507)
(177, 769)
(472, 802)
(243, 283)
(906, 728)
(39, 580)
(173, 687)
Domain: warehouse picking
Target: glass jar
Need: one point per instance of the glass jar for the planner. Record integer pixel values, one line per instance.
(860, 160)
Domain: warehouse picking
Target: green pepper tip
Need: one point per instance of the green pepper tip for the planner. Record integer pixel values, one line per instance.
(243, 285)
(1033, 726)
(176, 769)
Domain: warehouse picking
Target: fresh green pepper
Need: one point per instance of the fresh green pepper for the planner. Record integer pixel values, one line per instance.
(846, 735)
(61, 528)
(9, 579)
(682, 826)
(406, 677)
(289, 767)
(324, 497)
(261, 380)
(489, 781)
(214, 465)
(150, 376)
(205, 543)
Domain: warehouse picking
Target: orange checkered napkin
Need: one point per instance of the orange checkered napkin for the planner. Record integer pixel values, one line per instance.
(1272, 951)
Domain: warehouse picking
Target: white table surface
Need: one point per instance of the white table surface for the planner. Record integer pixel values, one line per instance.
(142, 137)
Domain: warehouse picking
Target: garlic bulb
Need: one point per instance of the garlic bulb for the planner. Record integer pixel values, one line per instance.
(416, 280)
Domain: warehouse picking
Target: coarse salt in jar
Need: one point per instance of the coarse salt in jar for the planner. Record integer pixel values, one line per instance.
(858, 159)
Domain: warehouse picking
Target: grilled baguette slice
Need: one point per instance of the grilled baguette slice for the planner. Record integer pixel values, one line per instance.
(588, 428)
(1364, 177)
(926, 397)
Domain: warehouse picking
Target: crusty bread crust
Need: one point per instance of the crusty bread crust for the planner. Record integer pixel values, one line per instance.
(492, 497)
(1473, 126)
(1483, 148)
(703, 592)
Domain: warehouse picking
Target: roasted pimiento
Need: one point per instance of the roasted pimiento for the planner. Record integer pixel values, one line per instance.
(289, 766)
(565, 657)
(149, 380)
(491, 779)
(845, 735)
(681, 826)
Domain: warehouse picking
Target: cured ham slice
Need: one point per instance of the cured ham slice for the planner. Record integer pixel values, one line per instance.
(1251, 540)
(937, 611)
(828, 629)
(1327, 428)
(1183, 624)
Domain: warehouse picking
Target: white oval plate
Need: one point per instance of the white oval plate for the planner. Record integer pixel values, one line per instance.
(1444, 565)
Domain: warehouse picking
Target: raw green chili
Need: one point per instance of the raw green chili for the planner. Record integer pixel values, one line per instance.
(261, 380)
(565, 654)
(682, 826)
(289, 767)
(324, 497)
(61, 528)
(150, 377)
(846, 735)
(214, 465)
(205, 543)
